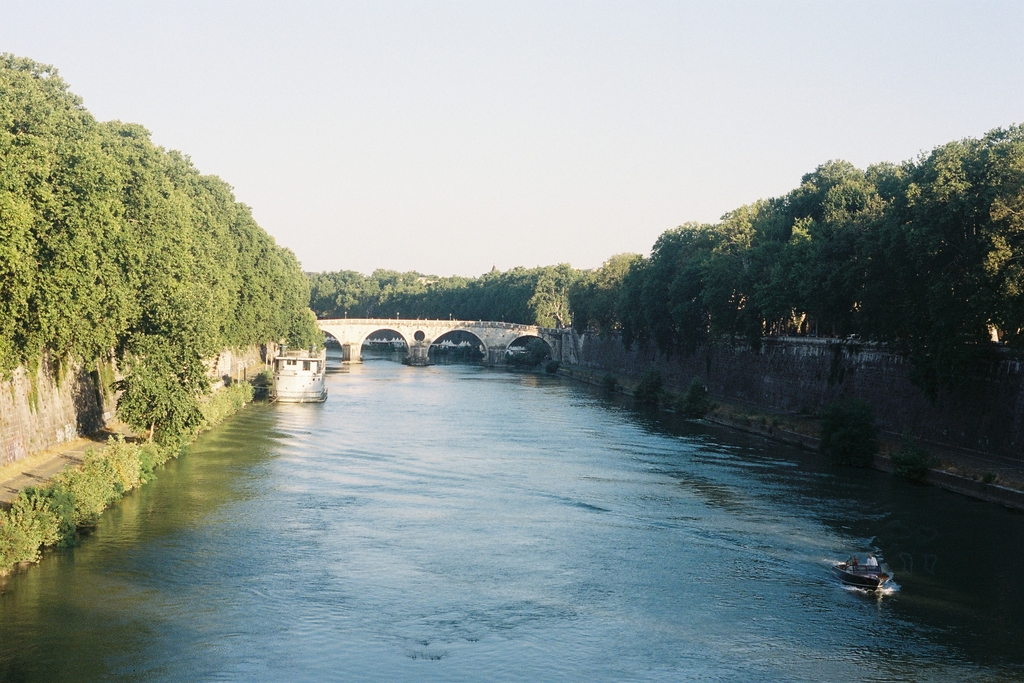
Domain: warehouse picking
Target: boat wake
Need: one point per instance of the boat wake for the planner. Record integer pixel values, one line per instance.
(888, 588)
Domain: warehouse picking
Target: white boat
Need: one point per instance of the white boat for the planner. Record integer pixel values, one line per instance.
(299, 377)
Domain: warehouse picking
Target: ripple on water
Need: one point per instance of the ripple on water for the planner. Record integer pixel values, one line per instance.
(454, 523)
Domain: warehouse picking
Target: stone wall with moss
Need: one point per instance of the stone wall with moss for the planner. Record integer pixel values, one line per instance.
(803, 375)
(49, 405)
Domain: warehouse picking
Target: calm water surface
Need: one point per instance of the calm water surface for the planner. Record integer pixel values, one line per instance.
(461, 524)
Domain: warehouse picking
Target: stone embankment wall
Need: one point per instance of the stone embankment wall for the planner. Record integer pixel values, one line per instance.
(236, 365)
(801, 375)
(40, 410)
(52, 406)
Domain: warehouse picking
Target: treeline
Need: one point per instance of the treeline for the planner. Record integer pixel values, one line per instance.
(925, 256)
(110, 244)
(533, 296)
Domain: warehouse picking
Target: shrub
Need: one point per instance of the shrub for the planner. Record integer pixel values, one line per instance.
(695, 403)
(58, 502)
(552, 367)
(225, 402)
(911, 461)
(848, 434)
(650, 389)
(150, 457)
(17, 542)
(29, 524)
(124, 458)
(262, 382)
(609, 383)
(92, 486)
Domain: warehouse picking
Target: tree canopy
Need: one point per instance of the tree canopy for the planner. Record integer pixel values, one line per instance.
(532, 296)
(923, 255)
(109, 242)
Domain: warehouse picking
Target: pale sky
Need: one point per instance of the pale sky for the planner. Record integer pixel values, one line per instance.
(447, 137)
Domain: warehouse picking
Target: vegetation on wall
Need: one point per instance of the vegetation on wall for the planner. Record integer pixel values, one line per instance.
(848, 433)
(108, 242)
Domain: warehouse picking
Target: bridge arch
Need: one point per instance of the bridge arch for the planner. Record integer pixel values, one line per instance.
(459, 336)
(364, 337)
(529, 350)
(524, 339)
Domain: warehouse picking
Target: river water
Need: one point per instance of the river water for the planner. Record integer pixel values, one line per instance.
(463, 524)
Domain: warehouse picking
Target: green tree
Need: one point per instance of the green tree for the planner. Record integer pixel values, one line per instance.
(594, 298)
(161, 389)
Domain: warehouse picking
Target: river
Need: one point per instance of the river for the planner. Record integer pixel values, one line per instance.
(455, 523)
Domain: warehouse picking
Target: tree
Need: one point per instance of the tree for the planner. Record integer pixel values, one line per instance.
(594, 298)
(161, 388)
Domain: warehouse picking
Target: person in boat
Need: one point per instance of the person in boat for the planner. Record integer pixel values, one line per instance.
(871, 563)
(854, 562)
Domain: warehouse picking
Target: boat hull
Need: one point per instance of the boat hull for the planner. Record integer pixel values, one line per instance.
(300, 397)
(861, 577)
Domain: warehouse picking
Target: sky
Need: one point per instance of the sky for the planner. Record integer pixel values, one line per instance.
(450, 137)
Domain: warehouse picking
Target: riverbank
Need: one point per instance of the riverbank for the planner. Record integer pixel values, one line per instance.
(48, 500)
(977, 475)
(40, 468)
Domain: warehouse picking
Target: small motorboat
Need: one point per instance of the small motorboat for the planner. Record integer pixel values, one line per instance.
(861, 576)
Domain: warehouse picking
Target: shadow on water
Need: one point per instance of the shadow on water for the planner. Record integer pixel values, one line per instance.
(86, 612)
(957, 561)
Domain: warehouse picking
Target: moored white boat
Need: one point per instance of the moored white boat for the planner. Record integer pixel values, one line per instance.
(299, 377)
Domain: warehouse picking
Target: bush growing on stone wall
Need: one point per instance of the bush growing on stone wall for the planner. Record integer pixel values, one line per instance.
(911, 461)
(848, 434)
(650, 389)
(552, 367)
(610, 383)
(695, 403)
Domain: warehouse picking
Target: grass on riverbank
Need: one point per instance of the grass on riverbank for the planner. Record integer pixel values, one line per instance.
(52, 515)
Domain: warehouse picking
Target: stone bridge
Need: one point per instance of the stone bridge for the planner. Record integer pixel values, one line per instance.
(495, 337)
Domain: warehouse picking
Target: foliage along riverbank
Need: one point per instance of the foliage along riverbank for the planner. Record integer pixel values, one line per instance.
(55, 514)
(922, 255)
(116, 251)
(118, 254)
(532, 296)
